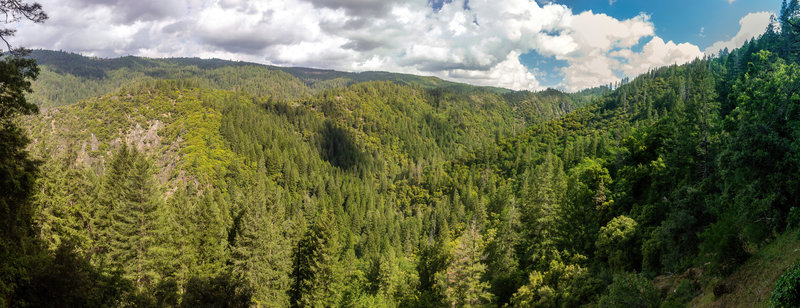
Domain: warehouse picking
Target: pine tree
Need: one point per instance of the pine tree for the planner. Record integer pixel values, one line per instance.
(463, 280)
(503, 268)
(537, 215)
(261, 252)
(131, 198)
(176, 252)
(65, 198)
(209, 234)
(315, 274)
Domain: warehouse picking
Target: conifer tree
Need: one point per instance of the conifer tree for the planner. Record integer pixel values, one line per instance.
(545, 191)
(463, 280)
(132, 198)
(65, 197)
(209, 235)
(315, 274)
(176, 252)
(503, 268)
(261, 252)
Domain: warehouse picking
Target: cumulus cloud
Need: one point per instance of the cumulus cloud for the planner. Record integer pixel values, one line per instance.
(478, 42)
(360, 8)
(510, 74)
(657, 53)
(752, 25)
(140, 10)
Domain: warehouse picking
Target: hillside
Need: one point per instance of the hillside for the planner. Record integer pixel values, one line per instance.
(361, 150)
(68, 78)
(751, 284)
(167, 182)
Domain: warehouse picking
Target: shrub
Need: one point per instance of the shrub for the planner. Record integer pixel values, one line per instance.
(787, 289)
(722, 245)
(793, 219)
(630, 290)
(684, 293)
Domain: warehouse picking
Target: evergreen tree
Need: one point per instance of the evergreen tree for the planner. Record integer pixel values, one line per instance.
(544, 194)
(585, 205)
(503, 270)
(66, 199)
(464, 284)
(176, 252)
(261, 252)
(209, 235)
(433, 259)
(315, 273)
(17, 170)
(759, 174)
(132, 199)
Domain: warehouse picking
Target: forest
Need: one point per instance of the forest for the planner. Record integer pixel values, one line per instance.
(184, 182)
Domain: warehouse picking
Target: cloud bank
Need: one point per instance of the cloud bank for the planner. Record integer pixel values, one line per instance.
(476, 41)
(750, 26)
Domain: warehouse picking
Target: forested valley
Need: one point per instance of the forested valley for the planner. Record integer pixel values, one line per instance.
(209, 183)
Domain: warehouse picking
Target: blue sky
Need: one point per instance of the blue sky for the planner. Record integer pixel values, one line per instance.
(681, 20)
(699, 22)
(515, 44)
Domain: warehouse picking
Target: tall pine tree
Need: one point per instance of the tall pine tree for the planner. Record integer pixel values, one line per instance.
(315, 274)
(463, 280)
(261, 252)
(131, 198)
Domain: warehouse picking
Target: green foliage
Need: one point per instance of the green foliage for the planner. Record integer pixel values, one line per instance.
(399, 190)
(315, 269)
(503, 270)
(433, 259)
(223, 290)
(722, 245)
(585, 208)
(562, 284)
(615, 241)
(630, 290)
(681, 296)
(463, 280)
(760, 181)
(130, 201)
(787, 288)
(166, 293)
(65, 198)
(793, 219)
(18, 171)
(261, 251)
(18, 74)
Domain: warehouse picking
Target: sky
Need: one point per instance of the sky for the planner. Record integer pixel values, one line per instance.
(516, 44)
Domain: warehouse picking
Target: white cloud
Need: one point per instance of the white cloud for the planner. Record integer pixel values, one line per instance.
(480, 44)
(510, 74)
(658, 53)
(752, 25)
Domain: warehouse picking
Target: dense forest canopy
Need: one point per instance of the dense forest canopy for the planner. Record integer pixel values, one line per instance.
(189, 182)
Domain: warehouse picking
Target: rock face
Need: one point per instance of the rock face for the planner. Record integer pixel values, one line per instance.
(94, 143)
(145, 139)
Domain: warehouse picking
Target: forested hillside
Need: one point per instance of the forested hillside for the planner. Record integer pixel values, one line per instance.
(188, 182)
(67, 78)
